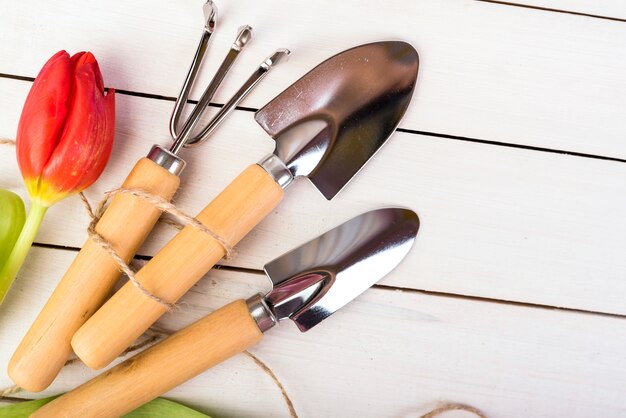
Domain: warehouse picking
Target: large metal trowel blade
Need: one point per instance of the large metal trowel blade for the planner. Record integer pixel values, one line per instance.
(330, 122)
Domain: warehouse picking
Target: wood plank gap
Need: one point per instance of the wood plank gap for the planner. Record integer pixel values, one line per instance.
(13, 399)
(497, 301)
(394, 288)
(55, 247)
(148, 258)
(553, 10)
(137, 94)
(510, 145)
(240, 269)
(405, 130)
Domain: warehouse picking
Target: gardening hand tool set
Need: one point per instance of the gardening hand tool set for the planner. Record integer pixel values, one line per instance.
(326, 126)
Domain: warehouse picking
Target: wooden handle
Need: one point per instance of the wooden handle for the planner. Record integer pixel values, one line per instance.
(200, 346)
(89, 279)
(177, 267)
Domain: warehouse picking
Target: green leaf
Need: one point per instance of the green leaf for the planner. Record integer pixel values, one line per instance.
(162, 408)
(157, 408)
(23, 409)
(12, 218)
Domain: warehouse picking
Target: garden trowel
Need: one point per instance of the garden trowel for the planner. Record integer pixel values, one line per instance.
(308, 284)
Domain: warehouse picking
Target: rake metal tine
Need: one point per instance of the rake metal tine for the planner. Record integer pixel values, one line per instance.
(243, 91)
(243, 36)
(210, 16)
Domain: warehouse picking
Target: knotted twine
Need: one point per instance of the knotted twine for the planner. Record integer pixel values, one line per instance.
(181, 220)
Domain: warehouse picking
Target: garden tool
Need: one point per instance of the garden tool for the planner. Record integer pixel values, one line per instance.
(125, 224)
(326, 125)
(309, 284)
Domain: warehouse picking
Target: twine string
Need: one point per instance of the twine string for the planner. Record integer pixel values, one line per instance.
(10, 391)
(453, 407)
(270, 373)
(163, 205)
(181, 218)
(159, 334)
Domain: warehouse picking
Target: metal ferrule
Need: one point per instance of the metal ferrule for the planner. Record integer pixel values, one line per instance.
(277, 170)
(261, 313)
(166, 159)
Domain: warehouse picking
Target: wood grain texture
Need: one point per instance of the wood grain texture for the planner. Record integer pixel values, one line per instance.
(388, 353)
(497, 222)
(176, 267)
(194, 349)
(488, 71)
(90, 278)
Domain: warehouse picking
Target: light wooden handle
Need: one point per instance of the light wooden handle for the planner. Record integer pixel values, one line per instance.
(176, 268)
(200, 346)
(89, 279)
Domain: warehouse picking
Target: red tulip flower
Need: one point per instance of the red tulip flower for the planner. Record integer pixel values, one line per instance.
(65, 134)
(64, 140)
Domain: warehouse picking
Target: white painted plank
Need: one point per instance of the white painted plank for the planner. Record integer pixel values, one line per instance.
(488, 71)
(606, 8)
(388, 353)
(497, 222)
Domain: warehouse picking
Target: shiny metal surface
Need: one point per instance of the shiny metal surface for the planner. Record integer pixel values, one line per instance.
(277, 170)
(265, 66)
(210, 19)
(169, 161)
(350, 104)
(261, 313)
(183, 137)
(209, 10)
(243, 36)
(319, 277)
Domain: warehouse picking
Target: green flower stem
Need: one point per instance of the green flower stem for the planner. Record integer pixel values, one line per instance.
(22, 245)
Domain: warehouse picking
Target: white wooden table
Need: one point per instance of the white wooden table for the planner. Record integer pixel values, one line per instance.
(512, 152)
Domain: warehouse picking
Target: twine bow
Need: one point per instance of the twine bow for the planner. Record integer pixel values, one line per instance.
(180, 217)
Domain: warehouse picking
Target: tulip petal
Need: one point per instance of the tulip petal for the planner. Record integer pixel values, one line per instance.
(87, 137)
(81, 58)
(43, 117)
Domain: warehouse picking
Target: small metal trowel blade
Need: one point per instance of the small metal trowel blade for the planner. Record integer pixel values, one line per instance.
(319, 277)
(351, 103)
